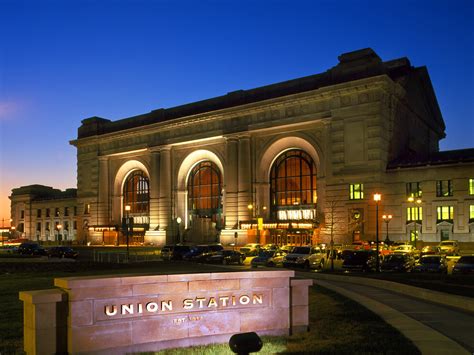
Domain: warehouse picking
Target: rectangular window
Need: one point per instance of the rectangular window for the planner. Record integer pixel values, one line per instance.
(471, 186)
(87, 208)
(56, 212)
(445, 213)
(22, 214)
(38, 213)
(444, 188)
(66, 211)
(356, 192)
(47, 212)
(471, 213)
(74, 225)
(414, 214)
(414, 189)
(38, 226)
(75, 210)
(47, 226)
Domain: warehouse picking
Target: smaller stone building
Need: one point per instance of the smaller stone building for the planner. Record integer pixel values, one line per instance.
(44, 214)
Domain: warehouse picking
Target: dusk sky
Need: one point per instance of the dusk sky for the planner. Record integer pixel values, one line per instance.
(63, 61)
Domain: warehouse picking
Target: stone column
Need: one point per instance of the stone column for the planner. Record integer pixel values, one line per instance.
(165, 188)
(231, 183)
(44, 321)
(103, 202)
(154, 189)
(244, 178)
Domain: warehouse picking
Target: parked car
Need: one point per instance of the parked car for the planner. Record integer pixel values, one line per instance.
(397, 263)
(408, 249)
(174, 252)
(306, 257)
(210, 250)
(287, 248)
(431, 263)
(62, 252)
(226, 257)
(31, 249)
(465, 265)
(449, 247)
(360, 260)
(250, 249)
(262, 258)
(270, 247)
(277, 258)
(429, 250)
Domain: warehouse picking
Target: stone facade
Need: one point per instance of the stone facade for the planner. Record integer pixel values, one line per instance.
(365, 123)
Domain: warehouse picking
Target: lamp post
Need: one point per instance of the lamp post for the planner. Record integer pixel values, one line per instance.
(415, 203)
(377, 198)
(387, 218)
(59, 233)
(127, 228)
(178, 220)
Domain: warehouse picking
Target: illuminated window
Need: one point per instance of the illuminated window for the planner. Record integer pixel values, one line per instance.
(292, 181)
(414, 214)
(444, 188)
(205, 190)
(414, 189)
(356, 191)
(56, 212)
(471, 186)
(445, 213)
(136, 193)
(471, 213)
(87, 208)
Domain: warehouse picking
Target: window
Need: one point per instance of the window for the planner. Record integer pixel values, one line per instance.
(22, 214)
(293, 180)
(445, 213)
(136, 193)
(66, 225)
(414, 189)
(38, 213)
(47, 226)
(38, 226)
(47, 212)
(204, 190)
(66, 211)
(56, 212)
(471, 213)
(444, 188)
(75, 211)
(356, 192)
(87, 208)
(471, 186)
(414, 214)
(74, 225)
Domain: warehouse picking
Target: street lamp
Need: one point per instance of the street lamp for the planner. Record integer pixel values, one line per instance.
(127, 228)
(415, 203)
(377, 198)
(59, 233)
(178, 220)
(387, 218)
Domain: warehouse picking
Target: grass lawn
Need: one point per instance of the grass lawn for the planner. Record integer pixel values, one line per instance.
(337, 325)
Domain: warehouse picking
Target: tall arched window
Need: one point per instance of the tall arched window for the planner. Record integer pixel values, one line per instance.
(136, 193)
(204, 190)
(292, 181)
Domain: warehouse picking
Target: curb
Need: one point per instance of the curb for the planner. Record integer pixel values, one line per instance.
(459, 302)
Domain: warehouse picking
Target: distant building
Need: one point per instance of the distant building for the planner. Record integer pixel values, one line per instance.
(293, 162)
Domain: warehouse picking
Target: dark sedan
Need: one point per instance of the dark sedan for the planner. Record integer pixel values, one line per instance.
(397, 263)
(31, 249)
(465, 265)
(360, 260)
(432, 263)
(63, 252)
(226, 257)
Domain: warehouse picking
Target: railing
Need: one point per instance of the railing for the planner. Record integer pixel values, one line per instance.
(119, 257)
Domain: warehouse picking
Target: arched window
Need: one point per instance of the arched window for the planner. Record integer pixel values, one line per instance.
(204, 190)
(136, 193)
(292, 181)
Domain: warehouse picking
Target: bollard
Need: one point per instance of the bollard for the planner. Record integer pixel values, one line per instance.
(245, 343)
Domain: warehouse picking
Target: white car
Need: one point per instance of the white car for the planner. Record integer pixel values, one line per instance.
(251, 249)
(307, 257)
(449, 247)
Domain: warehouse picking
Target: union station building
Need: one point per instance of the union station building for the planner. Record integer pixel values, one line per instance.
(295, 162)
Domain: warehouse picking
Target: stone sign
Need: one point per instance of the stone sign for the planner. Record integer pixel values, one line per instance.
(112, 315)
